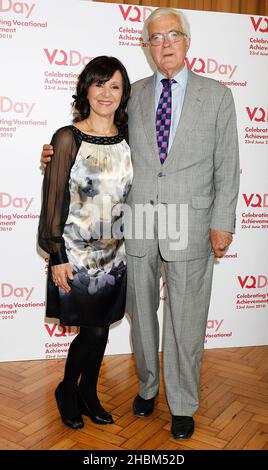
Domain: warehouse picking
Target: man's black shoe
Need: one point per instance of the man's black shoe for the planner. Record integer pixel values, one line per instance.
(142, 407)
(182, 427)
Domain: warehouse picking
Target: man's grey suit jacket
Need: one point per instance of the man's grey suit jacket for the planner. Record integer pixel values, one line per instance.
(201, 170)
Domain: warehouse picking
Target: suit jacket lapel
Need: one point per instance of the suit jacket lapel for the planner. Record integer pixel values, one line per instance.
(147, 103)
(190, 113)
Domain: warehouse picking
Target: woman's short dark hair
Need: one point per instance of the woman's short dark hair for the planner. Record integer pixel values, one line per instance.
(100, 70)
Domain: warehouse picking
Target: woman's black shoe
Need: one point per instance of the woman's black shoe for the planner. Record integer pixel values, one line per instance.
(100, 417)
(74, 423)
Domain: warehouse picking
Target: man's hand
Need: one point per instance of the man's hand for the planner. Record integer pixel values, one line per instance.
(220, 242)
(46, 156)
(60, 274)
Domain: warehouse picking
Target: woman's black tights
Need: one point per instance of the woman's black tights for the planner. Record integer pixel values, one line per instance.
(84, 359)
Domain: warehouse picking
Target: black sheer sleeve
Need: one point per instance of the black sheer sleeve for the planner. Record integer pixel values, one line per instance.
(56, 199)
(123, 130)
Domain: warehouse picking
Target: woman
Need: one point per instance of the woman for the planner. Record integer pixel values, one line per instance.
(84, 185)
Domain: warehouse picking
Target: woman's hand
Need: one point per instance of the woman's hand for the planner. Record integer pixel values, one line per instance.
(46, 155)
(60, 274)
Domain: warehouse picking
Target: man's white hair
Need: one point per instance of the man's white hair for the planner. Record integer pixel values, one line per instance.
(159, 13)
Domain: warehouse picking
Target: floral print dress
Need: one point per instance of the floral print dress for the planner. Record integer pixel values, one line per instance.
(84, 188)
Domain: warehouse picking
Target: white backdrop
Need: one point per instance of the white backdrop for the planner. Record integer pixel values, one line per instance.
(43, 47)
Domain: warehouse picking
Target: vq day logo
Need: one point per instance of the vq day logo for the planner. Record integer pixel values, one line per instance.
(257, 114)
(20, 8)
(260, 24)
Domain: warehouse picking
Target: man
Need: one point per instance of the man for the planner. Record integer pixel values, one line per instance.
(184, 146)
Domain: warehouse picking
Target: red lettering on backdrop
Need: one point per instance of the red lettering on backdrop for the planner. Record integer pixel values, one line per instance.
(17, 7)
(256, 24)
(65, 330)
(244, 281)
(51, 57)
(125, 12)
(192, 63)
(251, 282)
(71, 58)
(139, 14)
(252, 113)
(249, 199)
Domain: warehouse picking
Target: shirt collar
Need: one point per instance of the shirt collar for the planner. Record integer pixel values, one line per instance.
(181, 77)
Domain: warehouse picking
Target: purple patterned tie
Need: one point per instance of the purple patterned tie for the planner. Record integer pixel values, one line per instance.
(163, 118)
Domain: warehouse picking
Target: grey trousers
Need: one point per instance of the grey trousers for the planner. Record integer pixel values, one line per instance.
(187, 303)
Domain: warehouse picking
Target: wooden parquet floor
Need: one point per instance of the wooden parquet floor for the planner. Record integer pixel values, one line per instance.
(233, 412)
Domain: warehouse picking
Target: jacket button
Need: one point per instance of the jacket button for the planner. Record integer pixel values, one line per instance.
(152, 202)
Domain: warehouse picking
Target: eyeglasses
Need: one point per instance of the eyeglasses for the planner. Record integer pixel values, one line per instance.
(173, 36)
